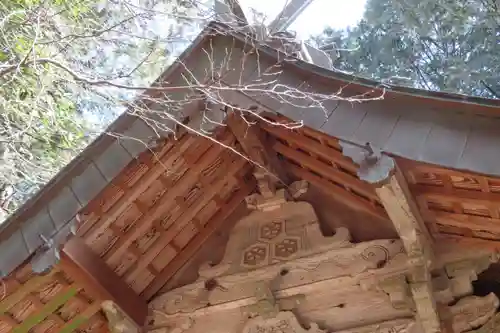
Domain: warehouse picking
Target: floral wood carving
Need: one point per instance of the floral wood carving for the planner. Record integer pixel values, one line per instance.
(284, 322)
(492, 326)
(473, 311)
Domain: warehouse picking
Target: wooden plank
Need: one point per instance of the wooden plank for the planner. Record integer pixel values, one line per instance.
(476, 223)
(195, 244)
(132, 194)
(80, 318)
(60, 299)
(423, 167)
(166, 202)
(326, 171)
(30, 286)
(251, 138)
(336, 192)
(186, 217)
(455, 194)
(443, 240)
(302, 141)
(99, 280)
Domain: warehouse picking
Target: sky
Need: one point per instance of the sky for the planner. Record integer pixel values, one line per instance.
(337, 14)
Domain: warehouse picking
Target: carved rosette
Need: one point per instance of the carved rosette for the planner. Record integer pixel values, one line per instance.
(276, 231)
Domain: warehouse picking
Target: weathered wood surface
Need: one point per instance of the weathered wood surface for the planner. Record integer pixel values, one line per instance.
(277, 261)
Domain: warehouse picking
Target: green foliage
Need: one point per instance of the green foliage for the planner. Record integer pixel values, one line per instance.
(444, 45)
(40, 130)
(47, 113)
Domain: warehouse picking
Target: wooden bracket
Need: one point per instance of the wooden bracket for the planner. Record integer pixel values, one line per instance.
(86, 268)
(404, 214)
(251, 138)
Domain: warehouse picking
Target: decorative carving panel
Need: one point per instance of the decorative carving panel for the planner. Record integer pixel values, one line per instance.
(276, 231)
(278, 265)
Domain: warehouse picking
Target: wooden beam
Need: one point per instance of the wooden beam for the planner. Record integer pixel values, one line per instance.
(472, 222)
(403, 211)
(398, 201)
(338, 193)
(86, 268)
(230, 12)
(252, 140)
(237, 11)
(444, 240)
(455, 194)
(314, 147)
(326, 170)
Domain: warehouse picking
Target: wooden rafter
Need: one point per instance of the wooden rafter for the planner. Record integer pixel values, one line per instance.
(89, 270)
(255, 146)
(403, 212)
(309, 156)
(456, 194)
(467, 242)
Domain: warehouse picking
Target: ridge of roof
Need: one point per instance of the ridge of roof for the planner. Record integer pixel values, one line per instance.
(220, 27)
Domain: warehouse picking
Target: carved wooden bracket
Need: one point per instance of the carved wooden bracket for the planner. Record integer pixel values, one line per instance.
(270, 200)
(403, 212)
(251, 138)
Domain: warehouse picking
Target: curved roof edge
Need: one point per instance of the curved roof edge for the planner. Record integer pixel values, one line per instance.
(445, 129)
(219, 27)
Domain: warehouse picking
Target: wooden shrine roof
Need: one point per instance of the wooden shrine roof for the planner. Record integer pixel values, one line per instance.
(150, 223)
(148, 212)
(449, 130)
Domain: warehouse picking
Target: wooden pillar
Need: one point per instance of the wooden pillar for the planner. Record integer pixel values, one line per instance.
(89, 270)
(404, 214)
